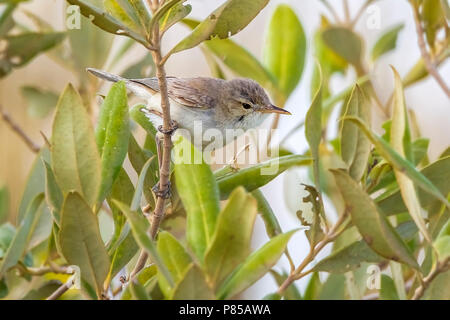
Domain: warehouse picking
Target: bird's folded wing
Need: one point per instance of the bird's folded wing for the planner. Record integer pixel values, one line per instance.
(188, 92)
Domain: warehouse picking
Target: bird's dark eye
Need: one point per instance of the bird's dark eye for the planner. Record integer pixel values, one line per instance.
(246, 106)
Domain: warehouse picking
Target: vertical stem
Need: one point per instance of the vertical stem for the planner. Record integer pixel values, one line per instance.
(164, 171)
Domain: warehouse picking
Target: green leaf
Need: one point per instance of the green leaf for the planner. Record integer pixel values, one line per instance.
(401, 143)
(254, 177)
(75, 160)
(398, 162)
(199, 193)
(139, 117)
(255, 266)
(313, 288)
(176, 259)
(373, 226)
(139, 226)
(225, 21)
(388, 290)
(19, 243)
(232, 239)
(21, 49)
(442, 242)
(345, 43)
(53, 194)
(355, 146)
(193, 286)
(438, 173)
(285, 48)
(7, 232)
(4, 203)
(351, 256)
(35, 182)
(39, 102)
(105, 22)
(113, 134)
(270, 220)
(81, 242)
(333, 288)
(439, 288)
(386, 42)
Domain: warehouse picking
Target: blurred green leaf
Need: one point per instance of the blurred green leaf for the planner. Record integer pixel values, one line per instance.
(388, 290)
(22, 48)
(4, 203)
(420, 150)
(175, 257)
(139, 226)
(146, 275)
(225, 21)
(268, 216)
(439, 288)
(175, 14)
(112, 135)
(139, 117)
(252, 178)
(19, 243)
(3, 288)
(285, 48)
(199, 193)
(345, 43)
(398, 162)
(53, 194)
(386, 42)
(81, 242)
(333, 288)
(124, 12)
(351, 256)
(144, 68)
(438, 173)
(433, 18)
(7, 232)
(401, 143)
(42, 229)
(35, 182)
(232, 238)
(373, 226)
(193, 286)
(313, 287)
(255, 266)
(442, 242)
(6, 18)
(75, 160)
(39, 102)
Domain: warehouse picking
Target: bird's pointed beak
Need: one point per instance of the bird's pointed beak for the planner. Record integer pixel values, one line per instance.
(272, 109)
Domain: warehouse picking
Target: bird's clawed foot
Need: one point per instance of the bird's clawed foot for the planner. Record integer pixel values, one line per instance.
(166, 193)
(171, 130)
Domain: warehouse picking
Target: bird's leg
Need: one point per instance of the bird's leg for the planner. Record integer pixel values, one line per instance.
(166, 192)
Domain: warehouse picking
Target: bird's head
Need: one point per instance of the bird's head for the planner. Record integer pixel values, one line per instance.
(247, 99)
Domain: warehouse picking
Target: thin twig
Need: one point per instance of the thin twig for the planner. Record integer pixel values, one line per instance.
(61, 290)
(43, 270)
(360, 13)
(439, 268)
(298, 273)
(19, 131)
(429, 64)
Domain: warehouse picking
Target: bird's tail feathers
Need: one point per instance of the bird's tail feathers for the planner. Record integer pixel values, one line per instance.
(105, 75)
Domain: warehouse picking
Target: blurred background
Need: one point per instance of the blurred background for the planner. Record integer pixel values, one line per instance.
(430, 104)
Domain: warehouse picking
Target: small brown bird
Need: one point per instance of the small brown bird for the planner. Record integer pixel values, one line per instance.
(212, 103)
